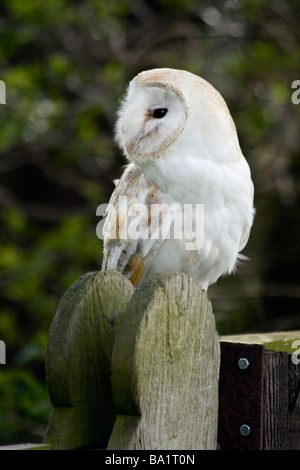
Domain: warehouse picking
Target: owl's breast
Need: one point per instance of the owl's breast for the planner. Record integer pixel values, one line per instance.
(188, 178)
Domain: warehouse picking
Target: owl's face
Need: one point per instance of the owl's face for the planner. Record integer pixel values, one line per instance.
(163, 107)
(151, 118)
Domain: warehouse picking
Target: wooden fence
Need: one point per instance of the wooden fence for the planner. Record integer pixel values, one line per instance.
(145, 369)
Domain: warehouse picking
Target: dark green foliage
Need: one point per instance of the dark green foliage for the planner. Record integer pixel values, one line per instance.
(66, 65)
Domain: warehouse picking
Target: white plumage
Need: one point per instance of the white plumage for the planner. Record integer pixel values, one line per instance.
(178, 134)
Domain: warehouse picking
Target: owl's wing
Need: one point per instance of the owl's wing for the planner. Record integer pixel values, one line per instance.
(132, 236)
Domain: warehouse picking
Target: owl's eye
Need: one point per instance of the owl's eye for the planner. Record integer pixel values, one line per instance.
(160, 112)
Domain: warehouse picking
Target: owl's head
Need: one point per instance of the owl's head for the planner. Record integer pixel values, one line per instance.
(163, 105)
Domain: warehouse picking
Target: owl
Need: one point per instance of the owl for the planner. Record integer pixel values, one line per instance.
(184, 161)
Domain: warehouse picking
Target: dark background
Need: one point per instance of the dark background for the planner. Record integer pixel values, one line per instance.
(66, 65)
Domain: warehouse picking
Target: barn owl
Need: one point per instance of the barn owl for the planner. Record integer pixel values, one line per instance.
(181, 143)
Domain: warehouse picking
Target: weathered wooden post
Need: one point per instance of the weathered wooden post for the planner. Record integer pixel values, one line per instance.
(163, 392)
(165, 368)
(78, 360)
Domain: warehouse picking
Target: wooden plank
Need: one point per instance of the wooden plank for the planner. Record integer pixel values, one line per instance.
(277, 341)
(165, 368)
(281, 402)
(78, 358)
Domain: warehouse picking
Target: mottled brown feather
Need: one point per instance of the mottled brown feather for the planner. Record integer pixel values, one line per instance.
(131, 257)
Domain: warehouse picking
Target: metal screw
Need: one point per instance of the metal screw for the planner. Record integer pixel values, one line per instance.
(243, 363)
(245, 430)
